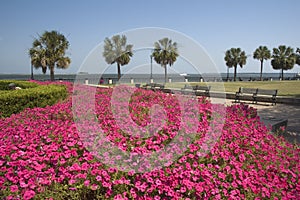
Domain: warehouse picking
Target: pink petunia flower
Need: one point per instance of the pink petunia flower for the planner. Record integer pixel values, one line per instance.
(29, 194)
(14, 188)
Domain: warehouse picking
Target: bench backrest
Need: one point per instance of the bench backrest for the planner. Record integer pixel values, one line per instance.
(154, 85)
(199, 87)
(247, 90)
(267, 92)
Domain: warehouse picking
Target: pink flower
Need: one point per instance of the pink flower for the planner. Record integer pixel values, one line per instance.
(86, 182)
(242, 157)
(183, 189)
(94, 187)
(72, 181)
(156, 197)
(14, 188)
(99, 178)
(28, 194)
(222, 175)
(157, 182)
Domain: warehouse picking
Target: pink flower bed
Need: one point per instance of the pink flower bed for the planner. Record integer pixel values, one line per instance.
(43, 155)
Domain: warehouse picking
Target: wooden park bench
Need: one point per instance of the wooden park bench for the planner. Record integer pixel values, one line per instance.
(265, 95)
(256, 95)
(197, 89)
(245, 92)
(153, 86)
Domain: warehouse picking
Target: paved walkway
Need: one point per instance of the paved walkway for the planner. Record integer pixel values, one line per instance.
(280, 111)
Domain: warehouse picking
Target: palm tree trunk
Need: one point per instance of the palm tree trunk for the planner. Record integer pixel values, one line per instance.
(32, 72)
(281, 74)
(234, 76)
(261, 69)
(166, 77)
(52, 73)
(227, 74)
(119, 71)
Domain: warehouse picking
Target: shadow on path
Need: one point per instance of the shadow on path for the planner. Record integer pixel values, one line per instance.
(292, 113)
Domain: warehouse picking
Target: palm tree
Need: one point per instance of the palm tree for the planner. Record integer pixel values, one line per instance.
(262, 53)
(283, 58)
(49, 51)
(165, 53)
(235, 57)
(298, 56)
(117, 51)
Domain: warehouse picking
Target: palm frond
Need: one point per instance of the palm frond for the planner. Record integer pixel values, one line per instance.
(117, 51)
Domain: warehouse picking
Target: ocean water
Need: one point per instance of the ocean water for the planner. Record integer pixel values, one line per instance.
(142, 78)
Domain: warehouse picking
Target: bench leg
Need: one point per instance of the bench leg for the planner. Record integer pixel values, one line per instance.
(237, 99)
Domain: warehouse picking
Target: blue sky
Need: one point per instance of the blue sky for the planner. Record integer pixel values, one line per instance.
(215, 25)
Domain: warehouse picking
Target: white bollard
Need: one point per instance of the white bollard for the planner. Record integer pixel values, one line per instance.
(132, 81)
(170, 80)
(110, 81)
(86, 81)
(186, 80)
(201, 80)
(151, 80)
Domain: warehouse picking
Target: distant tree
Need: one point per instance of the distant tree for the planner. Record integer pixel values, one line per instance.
(298, 56)
(48, 51)
(283, 58)
(165, 53)
(234, 57)
(117, 51)
(262, 53)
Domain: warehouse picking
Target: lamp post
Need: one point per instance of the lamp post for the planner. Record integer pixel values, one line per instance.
(151, 57)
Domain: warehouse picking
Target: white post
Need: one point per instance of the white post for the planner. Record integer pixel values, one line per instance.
(110, 81)
(201, 80)
(151, 80)
(132, 81)
(86, 81)
(170, 80)
(186, 80)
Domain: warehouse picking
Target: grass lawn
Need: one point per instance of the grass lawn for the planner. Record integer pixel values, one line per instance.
(285, 88)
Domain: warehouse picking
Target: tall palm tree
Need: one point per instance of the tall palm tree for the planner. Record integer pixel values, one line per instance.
(283, 58)
(117, 51)
(262, 53)
(234, 57)
(298, 56)
(165, 53)
(49, 51)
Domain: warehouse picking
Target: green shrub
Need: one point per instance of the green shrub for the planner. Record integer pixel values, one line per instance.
(22, 84)
(15, 101)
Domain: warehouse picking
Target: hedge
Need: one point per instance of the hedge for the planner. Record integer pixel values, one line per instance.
(15, 101)
(22, 84)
